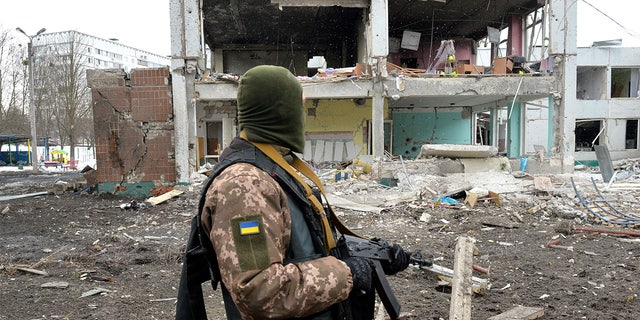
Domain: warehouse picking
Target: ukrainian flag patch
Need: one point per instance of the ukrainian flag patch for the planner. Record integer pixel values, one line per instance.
(249, 227)
(250, 239)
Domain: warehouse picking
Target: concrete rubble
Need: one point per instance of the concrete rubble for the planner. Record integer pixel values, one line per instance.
(424, 181)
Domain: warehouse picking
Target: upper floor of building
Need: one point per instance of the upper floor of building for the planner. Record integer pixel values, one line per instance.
(96, 52)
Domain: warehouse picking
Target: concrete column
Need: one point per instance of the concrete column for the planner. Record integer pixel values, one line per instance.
(185, 54)
(550, 128)
(377, 119)
(379, 42)
(563, 50)
(514, 130)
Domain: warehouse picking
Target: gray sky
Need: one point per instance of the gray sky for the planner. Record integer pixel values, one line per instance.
(144, 24)
(595, 26)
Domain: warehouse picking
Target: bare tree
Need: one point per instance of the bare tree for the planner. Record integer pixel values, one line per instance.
(13, 77)
(64, 97)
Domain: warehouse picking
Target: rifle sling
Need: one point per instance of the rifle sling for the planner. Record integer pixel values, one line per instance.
(297, 165)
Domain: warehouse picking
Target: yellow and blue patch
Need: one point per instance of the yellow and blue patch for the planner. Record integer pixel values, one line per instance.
(250, 239)
(249, 227)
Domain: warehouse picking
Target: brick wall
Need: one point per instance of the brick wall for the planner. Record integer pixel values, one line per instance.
(133, 121)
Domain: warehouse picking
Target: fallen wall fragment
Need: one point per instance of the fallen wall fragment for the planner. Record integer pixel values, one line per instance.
(457, 151)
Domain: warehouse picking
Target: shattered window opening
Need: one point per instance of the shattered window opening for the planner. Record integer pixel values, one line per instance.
(624, 82)
(631, 134)
(587, 134)
(591, 83)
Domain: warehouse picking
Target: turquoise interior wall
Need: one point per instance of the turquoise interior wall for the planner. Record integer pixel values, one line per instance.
(550, 125)
(412, 130)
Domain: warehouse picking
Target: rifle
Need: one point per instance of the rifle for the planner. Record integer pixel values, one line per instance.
(379, 252)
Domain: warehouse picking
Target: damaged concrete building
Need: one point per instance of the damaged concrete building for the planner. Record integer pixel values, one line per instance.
(383, 77)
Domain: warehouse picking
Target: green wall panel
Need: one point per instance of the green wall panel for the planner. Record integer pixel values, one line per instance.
(412, 130)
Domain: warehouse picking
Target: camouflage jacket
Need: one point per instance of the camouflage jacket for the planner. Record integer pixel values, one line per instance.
(247, 216)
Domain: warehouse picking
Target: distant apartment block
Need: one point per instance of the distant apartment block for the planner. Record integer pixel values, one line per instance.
(99, 53)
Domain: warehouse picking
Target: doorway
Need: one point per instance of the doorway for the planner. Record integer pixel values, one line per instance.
(214, 139)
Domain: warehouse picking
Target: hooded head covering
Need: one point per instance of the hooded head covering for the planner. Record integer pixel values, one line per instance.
(270, 107)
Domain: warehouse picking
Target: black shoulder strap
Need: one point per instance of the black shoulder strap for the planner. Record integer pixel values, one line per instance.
(195, 271)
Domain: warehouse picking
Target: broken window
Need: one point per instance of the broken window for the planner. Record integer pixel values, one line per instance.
(591, 84)
(587, 134)
(631, 134)
(483, 128)
(624, 82)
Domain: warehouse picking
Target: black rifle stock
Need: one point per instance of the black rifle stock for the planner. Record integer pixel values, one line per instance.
(378, 252)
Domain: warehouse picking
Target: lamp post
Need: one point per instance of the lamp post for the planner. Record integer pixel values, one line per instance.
(32, 106)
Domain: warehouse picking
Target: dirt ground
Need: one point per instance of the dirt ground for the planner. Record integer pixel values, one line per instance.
(103, 261)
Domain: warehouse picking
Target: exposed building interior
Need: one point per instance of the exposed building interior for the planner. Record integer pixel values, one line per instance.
(383, 77)
(293, 30)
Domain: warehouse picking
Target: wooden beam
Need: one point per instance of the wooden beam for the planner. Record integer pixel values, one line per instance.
(461, 284)
(164, 197)
(31, 270)
(520, 313)
(480, 285)
(322, 3)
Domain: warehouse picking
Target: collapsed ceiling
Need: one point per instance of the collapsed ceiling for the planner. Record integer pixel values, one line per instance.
(287, 24)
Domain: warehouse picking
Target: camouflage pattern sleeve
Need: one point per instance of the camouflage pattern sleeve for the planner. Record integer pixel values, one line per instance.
(247, 217)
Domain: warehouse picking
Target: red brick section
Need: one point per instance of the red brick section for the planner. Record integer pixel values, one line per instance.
(133, 121)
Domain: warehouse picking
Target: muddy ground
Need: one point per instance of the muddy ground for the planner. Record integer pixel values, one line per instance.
(100, 261)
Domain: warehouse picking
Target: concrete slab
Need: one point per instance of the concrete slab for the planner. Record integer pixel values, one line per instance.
(485, 164)
(457, 151)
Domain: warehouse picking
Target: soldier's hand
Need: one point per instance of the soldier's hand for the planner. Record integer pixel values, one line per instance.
(361, 273)
(401, 259)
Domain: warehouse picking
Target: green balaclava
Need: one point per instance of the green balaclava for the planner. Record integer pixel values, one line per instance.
(270, 107)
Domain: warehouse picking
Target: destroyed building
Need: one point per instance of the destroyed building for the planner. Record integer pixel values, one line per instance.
(381, 78)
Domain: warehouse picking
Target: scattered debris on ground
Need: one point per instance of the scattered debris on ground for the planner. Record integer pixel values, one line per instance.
(538, 250)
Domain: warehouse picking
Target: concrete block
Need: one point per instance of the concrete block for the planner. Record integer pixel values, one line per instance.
(457, 151)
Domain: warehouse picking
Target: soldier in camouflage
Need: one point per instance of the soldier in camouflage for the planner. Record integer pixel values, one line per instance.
(268, 263)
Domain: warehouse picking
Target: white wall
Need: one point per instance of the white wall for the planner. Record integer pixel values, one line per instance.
(614, 112)
(536, 125)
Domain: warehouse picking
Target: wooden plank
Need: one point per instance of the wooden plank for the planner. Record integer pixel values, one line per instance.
(461, 283)
(31, 270)
(479, 285)
(199, 150)
(318, 154)
(537, 208)
(164, 197)
(320, 3)
(495, 197)
(471, 199)
(520, 313)
(338, 151)
(55, 285)
(5, 198)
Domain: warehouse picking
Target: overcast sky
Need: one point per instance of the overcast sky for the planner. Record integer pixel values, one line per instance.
(144, 24)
